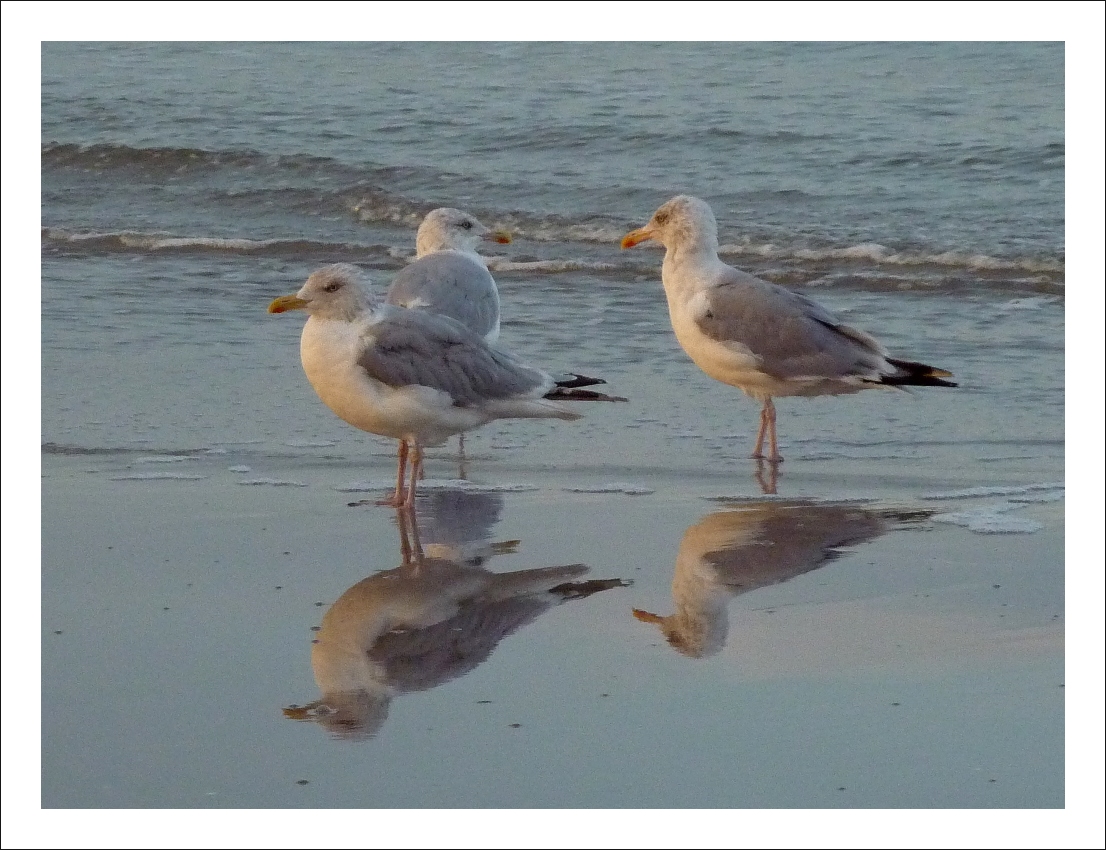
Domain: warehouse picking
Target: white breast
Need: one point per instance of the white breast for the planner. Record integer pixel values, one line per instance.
(329, 351)
(730, 362)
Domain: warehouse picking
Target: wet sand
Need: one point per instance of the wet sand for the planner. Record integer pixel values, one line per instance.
(831, 652)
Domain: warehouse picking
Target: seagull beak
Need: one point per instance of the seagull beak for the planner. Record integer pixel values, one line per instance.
(500, 236)
(286, 303)
(645, 616)
(635, 237)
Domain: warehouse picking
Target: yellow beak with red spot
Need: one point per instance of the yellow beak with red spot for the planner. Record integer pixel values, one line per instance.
(500, 236)
(636, 237)
(286, 303)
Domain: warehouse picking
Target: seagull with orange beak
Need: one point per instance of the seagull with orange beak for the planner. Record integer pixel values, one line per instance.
(412, 375)
(448, 276)
(759, 337)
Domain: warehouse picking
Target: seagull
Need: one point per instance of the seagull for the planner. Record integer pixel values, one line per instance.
(449, 277)
(759, 337)
(413, 375)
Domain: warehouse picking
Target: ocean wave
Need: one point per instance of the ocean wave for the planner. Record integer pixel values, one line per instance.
(600, 230)
(499, 264)
(131, 241)
(868, 266)
(1033, 159)
(880, 255)
(170, 160)
(400, 196)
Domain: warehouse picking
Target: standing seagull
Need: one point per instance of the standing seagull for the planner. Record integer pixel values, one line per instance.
(411, 374)
(761, 338)
(449, 277)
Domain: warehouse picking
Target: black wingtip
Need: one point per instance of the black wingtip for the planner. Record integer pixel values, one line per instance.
(913, 374)
(579, 381)
(570, 394)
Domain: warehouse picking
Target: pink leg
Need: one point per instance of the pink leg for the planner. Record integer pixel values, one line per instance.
(416, 473)
(758, 448)
(775, 455)
(396, 499)
(767, 426)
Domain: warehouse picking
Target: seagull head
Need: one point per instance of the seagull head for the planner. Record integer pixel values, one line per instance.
(681, 222)
(333, 292)
(447, 229)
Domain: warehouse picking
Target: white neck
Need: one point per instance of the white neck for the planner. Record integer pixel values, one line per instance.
(430, 244)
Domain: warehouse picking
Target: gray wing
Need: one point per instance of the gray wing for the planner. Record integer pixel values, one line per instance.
(450, 284)
(418, 659)
(792, 541)
(408, 347)
(792, 335)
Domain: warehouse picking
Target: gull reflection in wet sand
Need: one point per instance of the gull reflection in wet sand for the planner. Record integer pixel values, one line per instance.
(735, 551)
(432, 619)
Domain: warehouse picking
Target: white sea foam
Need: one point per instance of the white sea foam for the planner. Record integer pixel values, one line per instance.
(271, 482)
(1034, 303)
(239, 468)
(870, 254)
(159, 241)
(875, 253)
(991, 520)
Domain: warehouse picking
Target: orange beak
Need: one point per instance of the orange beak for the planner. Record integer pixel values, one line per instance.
(645, 616)
(500, 236)
(636, 237)
(286, 303)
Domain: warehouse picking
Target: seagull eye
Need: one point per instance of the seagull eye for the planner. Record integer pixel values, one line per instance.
(661, 218)
(332, 287)
(467, 225)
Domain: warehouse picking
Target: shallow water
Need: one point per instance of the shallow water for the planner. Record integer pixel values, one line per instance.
(189, 471)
